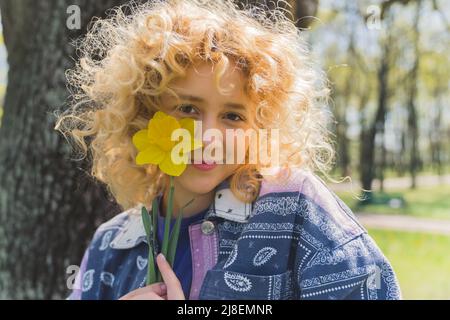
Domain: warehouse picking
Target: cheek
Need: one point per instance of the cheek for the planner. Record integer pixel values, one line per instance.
(235, 150)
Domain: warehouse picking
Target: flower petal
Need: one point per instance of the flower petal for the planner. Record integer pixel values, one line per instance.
(159, 115)
(141, 140)
(151, 155)
(175, 170)
(189, 124)
(163, 127)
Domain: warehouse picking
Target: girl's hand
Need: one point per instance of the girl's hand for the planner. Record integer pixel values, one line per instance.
(169, 290)
(156, 291)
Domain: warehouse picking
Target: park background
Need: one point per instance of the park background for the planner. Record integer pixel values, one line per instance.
(388, 66)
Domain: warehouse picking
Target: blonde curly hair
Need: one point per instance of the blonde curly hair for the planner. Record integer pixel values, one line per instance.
(128, 60)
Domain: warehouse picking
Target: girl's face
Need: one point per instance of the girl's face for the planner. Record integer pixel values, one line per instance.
(201, 100)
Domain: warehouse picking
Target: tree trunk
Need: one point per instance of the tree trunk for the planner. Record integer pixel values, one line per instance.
(49, 208)
(413, 125)
(368, 145)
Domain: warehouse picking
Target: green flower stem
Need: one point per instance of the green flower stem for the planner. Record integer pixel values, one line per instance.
(175, 234)
(155, 218)
(151, 272)
(155, 210)
(165, 246)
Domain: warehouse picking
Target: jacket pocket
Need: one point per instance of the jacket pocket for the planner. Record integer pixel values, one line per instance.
(231, 285)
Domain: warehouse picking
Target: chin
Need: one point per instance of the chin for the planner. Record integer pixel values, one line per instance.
(200, 182)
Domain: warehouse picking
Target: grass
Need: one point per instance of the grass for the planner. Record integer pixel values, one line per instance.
(424, 202)
(420, 260)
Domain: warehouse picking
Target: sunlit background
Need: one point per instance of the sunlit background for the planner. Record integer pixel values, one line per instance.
(389, 69)
(391, 74)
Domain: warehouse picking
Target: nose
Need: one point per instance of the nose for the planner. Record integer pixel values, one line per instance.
(210, 129)
(213, 139)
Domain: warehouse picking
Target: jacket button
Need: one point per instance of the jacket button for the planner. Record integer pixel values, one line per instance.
(208, 227)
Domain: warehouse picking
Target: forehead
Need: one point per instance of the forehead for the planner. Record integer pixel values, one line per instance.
(200, 80)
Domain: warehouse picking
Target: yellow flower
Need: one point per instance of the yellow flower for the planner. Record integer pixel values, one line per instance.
(155, 145)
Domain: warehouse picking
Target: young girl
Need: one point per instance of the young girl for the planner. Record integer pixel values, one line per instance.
(253, 231)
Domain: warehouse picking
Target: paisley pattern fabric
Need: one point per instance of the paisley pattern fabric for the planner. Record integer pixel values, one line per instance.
(298, 241)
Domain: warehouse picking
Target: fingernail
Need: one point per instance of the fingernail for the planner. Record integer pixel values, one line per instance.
(163, 287)
(162, 257)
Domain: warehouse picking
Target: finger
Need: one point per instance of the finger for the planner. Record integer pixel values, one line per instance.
(147, 296)
(174, 289)
(158, 288)
(143, 296)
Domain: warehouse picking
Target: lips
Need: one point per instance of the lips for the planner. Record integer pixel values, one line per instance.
(205, 166)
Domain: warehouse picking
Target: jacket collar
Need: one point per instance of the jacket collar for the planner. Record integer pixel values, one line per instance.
(225, 205)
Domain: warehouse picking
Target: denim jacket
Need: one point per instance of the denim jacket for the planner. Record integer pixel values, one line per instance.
(298, 240)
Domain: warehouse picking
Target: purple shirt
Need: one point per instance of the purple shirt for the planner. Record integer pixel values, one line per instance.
(183, 259)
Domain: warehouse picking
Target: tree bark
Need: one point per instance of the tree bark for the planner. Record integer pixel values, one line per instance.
(49, 208)
(413, 126)
(368, 146)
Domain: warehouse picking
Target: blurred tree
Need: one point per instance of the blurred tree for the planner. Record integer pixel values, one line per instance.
(342, 79)
(436, 79)
(413, 126)
(386, 83)
(377, 127)
(49, 208)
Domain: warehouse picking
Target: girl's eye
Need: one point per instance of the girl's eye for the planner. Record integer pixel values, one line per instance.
(187, 109)
(234, 117)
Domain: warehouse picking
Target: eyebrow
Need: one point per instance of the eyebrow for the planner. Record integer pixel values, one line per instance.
(198, 99)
